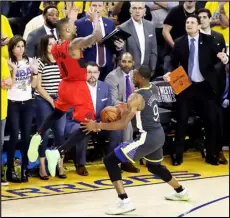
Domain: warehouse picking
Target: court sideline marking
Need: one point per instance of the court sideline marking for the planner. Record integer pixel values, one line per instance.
(50, 195)
(203, 205)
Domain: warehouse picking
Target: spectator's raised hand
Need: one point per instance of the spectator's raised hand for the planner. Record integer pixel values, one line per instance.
(34, 65)
(72, 11)
(166, 77)
(12, 66)
(223, 56)
(93, 15)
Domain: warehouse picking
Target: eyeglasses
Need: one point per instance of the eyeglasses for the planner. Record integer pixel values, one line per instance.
(137, 9)
(95, 72)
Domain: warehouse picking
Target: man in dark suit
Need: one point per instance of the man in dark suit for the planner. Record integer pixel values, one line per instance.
(51, 17)
(142, 43)
(198, 54)
(101, 97)
(205, 18)
(100, 54)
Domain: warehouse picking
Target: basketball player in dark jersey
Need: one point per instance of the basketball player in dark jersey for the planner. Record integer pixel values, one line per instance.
(142, 110)
(73, 90)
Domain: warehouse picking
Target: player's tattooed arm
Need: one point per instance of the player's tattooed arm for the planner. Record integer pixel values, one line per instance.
(88, 41)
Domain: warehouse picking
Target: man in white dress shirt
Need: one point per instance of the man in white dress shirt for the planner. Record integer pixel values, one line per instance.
(142, 43)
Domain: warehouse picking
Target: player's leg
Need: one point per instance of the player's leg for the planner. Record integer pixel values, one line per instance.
(82, 101)
(127, 151)
(53, 156)
(83, 108)
(153, 163)
(60, 108)
(112, 162)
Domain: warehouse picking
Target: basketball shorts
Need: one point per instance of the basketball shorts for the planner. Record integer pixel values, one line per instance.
(149, 145)
(75, 94)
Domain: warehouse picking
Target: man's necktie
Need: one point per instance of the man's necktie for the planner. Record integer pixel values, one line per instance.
(128, 87)
(101, 54)
(52, 32)
(191, 57)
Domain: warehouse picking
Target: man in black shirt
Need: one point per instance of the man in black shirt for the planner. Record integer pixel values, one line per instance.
(174, 27)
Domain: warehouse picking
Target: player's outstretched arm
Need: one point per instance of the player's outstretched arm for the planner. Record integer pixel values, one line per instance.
(88, 41)
(135, 103)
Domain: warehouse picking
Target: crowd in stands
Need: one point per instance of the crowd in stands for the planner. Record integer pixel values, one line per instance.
(30, 76)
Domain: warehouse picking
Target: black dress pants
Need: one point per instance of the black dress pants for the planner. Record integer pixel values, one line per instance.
(202, 96)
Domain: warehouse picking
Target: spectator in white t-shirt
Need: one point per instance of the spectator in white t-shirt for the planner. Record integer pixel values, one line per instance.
(20, 105)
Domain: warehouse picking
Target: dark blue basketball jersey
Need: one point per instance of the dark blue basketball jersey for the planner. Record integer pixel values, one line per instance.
(149, 118)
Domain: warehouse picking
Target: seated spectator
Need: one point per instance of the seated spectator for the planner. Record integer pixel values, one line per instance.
(6, 35)
(121, 86)
(6, 83)
(102, 55)
(101, 98)
(37, 21)
(24, 73)
(46, 93)
(50, 15)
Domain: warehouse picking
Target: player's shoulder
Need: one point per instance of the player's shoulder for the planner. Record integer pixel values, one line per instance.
(61, 46)
(137, 95)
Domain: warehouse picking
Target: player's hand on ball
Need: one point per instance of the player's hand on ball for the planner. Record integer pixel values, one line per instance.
(122, 107)
(89, 126)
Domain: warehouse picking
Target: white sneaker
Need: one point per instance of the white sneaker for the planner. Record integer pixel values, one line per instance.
(4, 183)
(52, 157)
(123, 206)
(33, 148)
(182, 196)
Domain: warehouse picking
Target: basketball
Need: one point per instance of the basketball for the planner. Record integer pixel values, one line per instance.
(109, 114)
